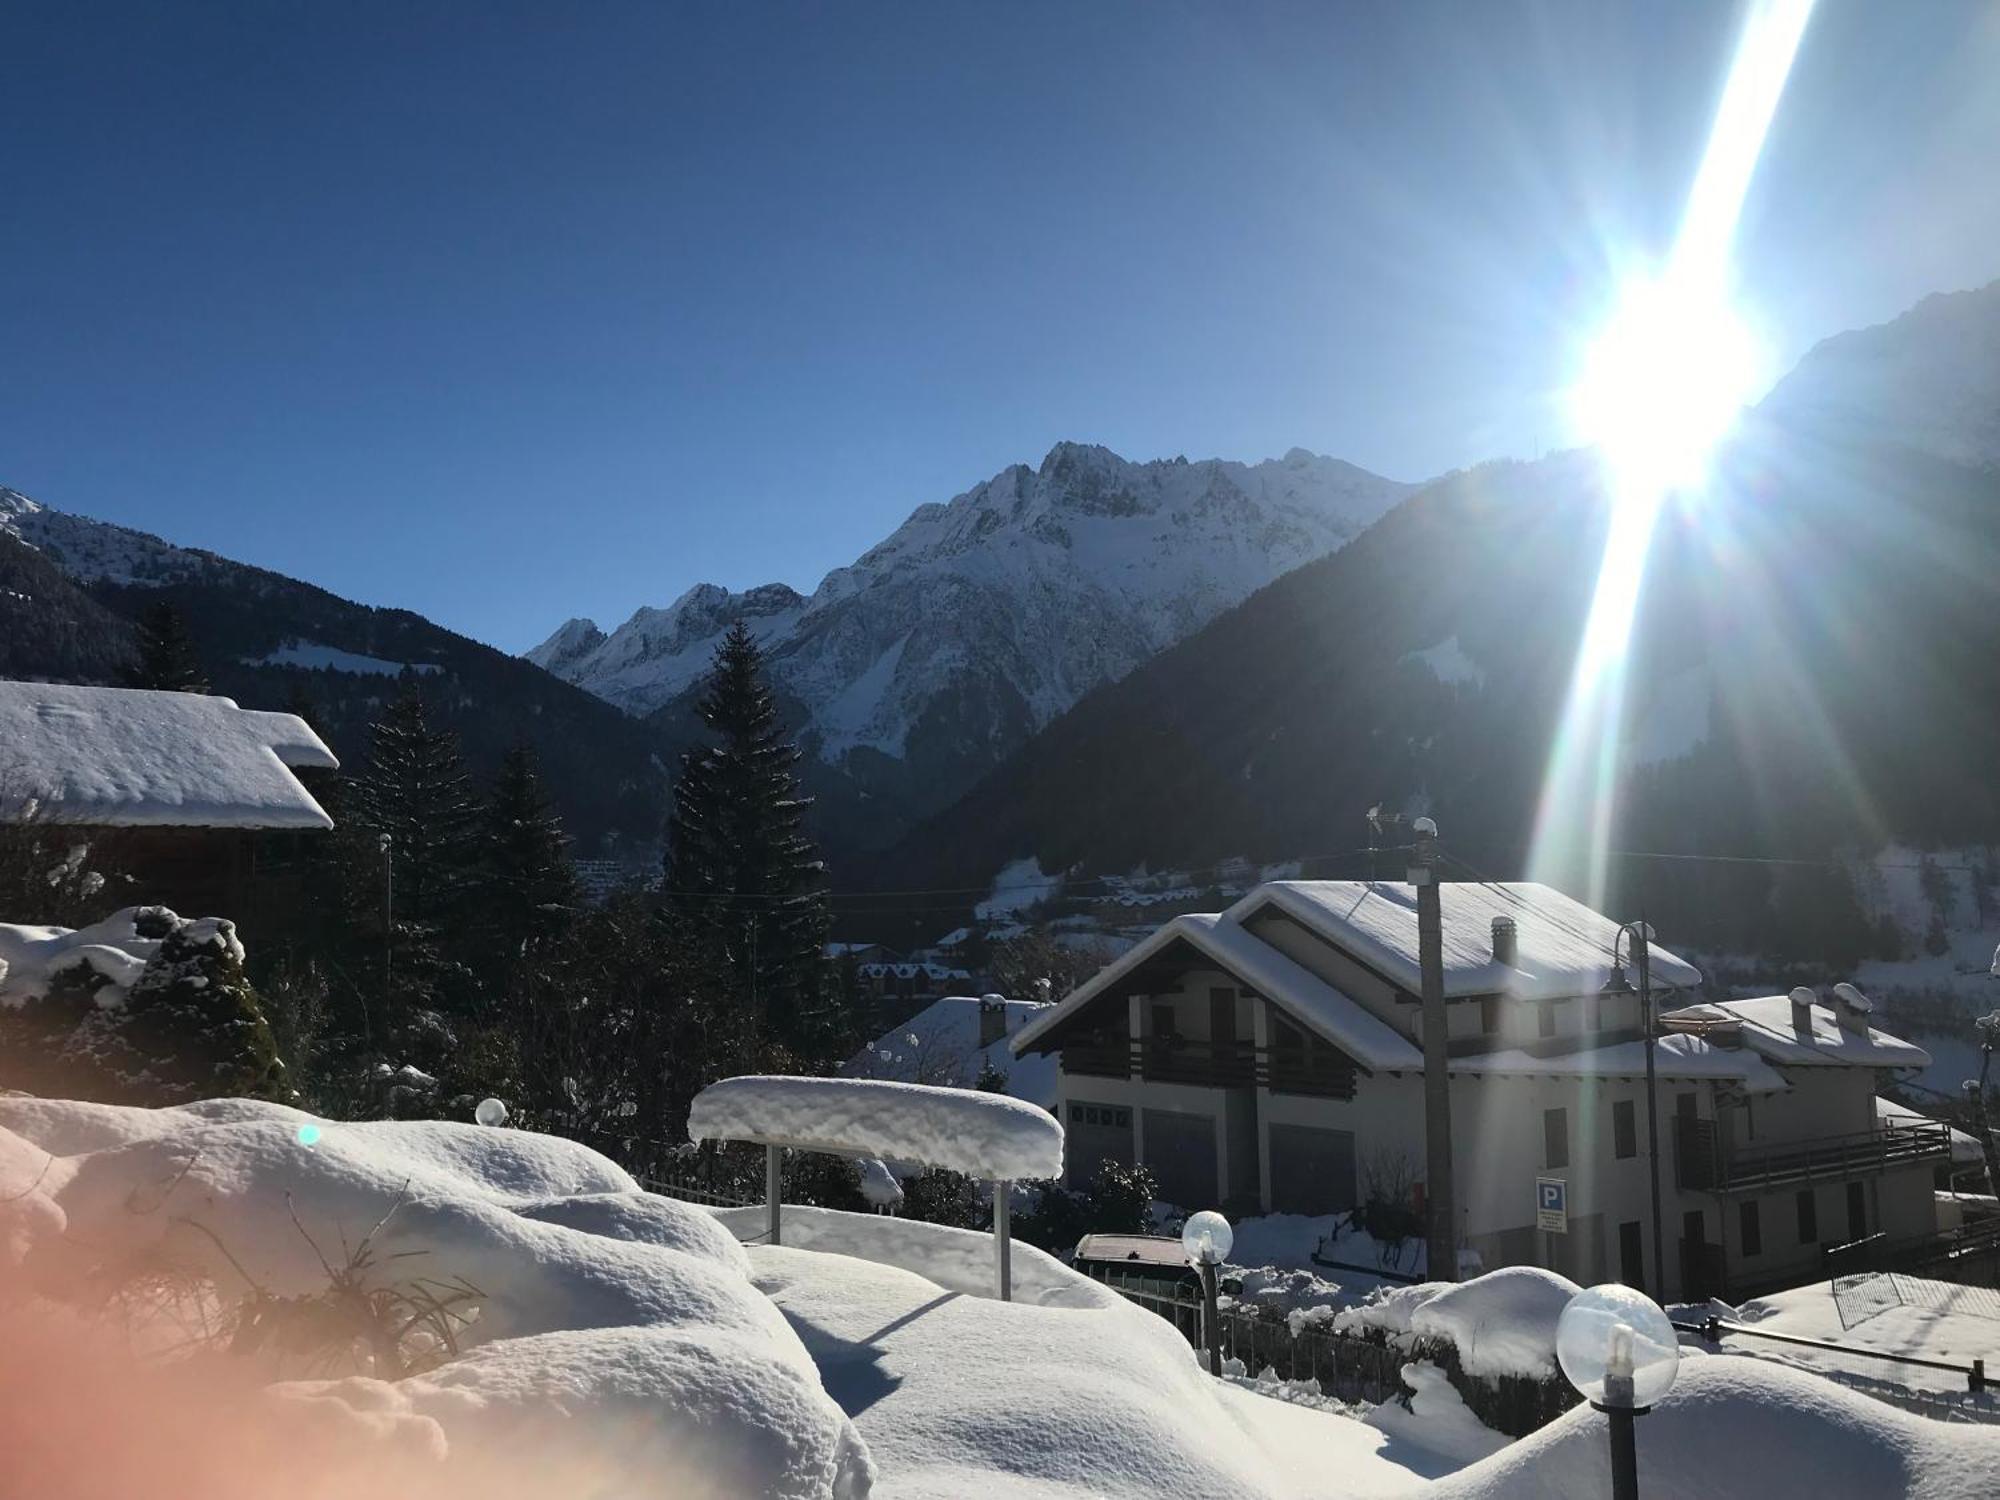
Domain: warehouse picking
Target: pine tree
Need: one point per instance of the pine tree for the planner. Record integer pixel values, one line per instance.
(415, 789)
(167, 660)
(527, 887)
(737, 854)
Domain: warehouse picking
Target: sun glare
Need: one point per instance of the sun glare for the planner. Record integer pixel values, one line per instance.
(1660, 385)
(1663, 382)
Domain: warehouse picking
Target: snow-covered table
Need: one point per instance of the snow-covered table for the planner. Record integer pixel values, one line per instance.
(989, 1137)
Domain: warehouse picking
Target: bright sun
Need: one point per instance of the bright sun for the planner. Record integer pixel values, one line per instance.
(1663, 382)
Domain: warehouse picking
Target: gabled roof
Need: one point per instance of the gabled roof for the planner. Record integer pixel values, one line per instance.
(1562, 947)
(1772, 1027)
(126, 757)
(1675, 1057)
(1309, 999)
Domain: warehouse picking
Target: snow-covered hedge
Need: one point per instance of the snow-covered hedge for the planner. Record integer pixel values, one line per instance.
(983, 1135)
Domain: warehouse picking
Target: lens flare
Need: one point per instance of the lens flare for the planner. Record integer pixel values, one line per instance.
(1661, 384)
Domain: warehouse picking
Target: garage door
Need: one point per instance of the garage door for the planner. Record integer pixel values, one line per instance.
(1097, 1133)
(1181, 1151)
(1312, 1170)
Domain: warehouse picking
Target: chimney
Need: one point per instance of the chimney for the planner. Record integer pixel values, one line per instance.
(992, 1021)
(1803, 1001)
(1504, 941)
(1851, 1009)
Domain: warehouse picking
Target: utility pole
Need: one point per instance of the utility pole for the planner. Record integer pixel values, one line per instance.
(1441, 1237)
(1642, 952)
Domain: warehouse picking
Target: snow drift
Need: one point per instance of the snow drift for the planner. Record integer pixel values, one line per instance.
(618, 1344)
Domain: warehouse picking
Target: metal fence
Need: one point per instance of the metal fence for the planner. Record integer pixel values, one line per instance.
(1344, 1366)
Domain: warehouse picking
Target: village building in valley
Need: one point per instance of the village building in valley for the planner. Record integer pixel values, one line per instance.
(1269, 1059)
(191, 796)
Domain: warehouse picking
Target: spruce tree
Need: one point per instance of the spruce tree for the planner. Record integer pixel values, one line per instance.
(527, 887)
(167, 660)
(737, 854)
(416, 790)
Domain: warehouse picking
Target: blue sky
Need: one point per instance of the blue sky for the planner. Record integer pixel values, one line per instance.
(506, 313)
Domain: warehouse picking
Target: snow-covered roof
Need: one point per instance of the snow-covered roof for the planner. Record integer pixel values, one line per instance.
(1674, 1057)
(1562, 947)
(1366, 1038)
(1806, 1036)
(1893, 1116)
(942, 1039)
(989, 1136)
(129, 757)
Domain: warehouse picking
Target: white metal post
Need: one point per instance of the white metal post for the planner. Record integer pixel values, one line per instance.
(774, 1161)
(1003, 1243)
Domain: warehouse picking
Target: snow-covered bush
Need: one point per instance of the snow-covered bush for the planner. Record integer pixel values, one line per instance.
(144, 1007)
(1493, 1336)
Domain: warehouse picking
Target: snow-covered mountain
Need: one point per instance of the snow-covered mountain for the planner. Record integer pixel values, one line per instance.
(96, 551)
(981, 619)
(1930, 378)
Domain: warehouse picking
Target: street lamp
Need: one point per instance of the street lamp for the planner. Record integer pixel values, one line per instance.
(1638, 940)
(490, 1112)
(1207, 1237)
(1617, 1348)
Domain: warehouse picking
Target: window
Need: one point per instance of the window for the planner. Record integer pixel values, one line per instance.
(1857, 1212)
(1555, 1137)
(1163, 1019)
(1489, 1014)
(1100, 1114)
(1624, 1129)
(1808, 1218)
(1753, 1231)
(1545, 1020)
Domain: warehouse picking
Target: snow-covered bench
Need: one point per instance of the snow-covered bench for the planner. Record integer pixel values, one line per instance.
(989, 1137)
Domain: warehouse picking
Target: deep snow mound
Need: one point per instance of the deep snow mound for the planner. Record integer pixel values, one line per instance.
(617, 1339)
(1746, 1427)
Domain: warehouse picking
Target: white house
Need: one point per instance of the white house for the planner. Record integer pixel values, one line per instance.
(1269, 1059)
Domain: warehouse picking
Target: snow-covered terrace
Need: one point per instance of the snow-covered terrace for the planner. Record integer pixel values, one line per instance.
(126, 757)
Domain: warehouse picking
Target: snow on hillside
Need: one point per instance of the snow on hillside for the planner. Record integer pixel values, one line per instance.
(312, 655)
(1930, 377)
(93, 551)
(1017, 597)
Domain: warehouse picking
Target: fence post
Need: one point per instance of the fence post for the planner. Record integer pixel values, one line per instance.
(1977, 1379)
(1003, 1243)
(774, 1163)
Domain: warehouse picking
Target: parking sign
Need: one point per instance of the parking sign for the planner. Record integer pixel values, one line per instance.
(1552, 1205)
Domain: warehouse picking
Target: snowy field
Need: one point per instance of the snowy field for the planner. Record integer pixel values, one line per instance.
(610, 1343)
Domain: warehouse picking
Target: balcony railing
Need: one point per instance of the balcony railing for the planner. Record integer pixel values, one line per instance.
(1322, 1071)
(1704, 1162)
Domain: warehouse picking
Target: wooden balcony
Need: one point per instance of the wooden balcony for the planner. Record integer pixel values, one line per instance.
(1317, 1069)
(1704, 1163)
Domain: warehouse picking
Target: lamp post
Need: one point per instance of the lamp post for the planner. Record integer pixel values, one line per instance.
(1619, 1350)
(1206, 1238)
(1638, 940)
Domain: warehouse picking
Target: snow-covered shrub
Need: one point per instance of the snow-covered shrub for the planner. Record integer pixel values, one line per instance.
(146, 1007)
(1493, 1336)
